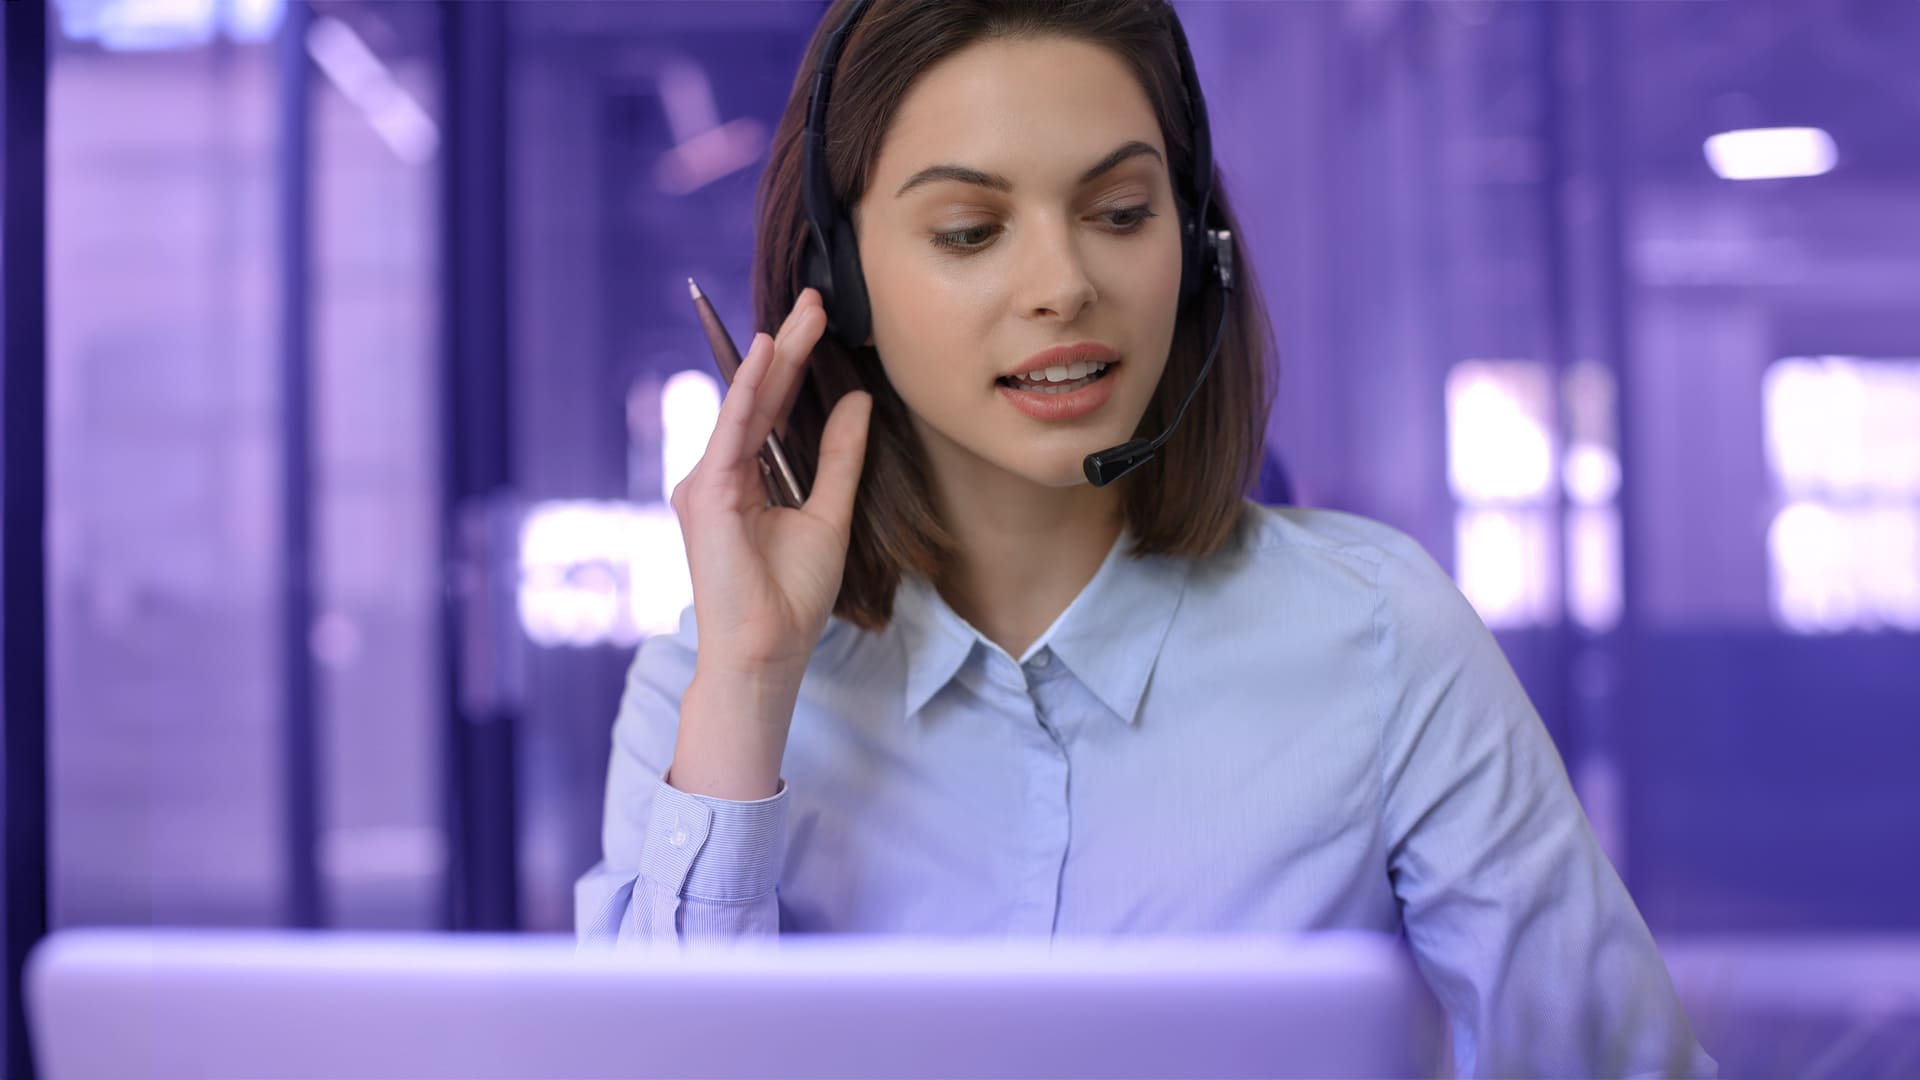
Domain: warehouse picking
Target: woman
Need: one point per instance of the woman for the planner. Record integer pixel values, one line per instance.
(965, 690)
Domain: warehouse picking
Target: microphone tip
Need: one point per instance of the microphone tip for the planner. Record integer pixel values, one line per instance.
(694, 289)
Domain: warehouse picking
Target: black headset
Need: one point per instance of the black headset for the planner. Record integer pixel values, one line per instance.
(831, 264)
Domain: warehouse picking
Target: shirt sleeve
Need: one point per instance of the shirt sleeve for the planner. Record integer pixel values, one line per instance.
(1515, 916)
(675, 867)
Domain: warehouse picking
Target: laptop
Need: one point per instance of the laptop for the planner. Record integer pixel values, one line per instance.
(158, 1004)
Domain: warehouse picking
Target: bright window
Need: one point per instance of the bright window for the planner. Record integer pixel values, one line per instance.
(1843, 448)
(1504, 457)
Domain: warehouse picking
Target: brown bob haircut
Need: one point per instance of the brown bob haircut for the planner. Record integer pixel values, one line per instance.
(1188, 499)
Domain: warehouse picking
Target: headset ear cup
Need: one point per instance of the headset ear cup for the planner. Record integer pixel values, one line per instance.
(852, 317)
(814, 272)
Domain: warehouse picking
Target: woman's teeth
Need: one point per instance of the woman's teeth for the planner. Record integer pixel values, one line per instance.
(1059, 379)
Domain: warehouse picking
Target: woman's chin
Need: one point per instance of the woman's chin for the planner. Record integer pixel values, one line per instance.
(1058, 470)
(1055, 459)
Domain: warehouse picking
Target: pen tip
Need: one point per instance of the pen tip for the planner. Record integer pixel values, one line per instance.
(694, 289)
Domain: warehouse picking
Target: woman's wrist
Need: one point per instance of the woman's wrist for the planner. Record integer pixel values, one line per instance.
(733, 735)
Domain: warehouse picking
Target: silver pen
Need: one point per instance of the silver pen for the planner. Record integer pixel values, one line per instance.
(783, 487)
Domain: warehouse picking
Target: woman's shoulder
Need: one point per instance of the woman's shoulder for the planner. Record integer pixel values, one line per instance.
(1333, 559)
(1287, 538)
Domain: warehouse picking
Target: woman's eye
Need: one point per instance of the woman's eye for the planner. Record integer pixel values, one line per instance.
(1136, 216)
(958, 242)
(1126, 219)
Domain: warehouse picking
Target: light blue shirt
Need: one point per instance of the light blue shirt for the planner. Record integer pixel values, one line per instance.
(1310, 730)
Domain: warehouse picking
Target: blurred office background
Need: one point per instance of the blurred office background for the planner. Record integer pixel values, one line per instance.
(369, 365)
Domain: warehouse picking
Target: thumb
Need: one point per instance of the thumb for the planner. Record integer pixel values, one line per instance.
(843, 452)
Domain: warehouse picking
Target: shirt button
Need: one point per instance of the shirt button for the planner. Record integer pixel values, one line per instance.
(1042, 660)
(679, 837)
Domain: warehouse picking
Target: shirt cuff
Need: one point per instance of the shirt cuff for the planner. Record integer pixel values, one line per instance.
(721, 850)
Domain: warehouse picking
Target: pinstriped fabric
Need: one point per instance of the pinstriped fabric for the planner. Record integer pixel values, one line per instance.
(1311, 730)
(600, 928)
(715, 849)
(708, 868)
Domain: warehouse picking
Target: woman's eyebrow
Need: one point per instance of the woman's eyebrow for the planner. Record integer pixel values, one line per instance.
(997, 182)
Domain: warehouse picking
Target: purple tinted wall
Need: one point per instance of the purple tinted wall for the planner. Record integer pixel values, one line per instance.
(1489, 234)
(1423, 187)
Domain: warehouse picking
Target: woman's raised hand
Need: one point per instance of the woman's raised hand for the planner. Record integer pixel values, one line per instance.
(765, 578)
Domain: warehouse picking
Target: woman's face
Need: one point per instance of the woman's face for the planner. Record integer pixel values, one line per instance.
(968, 279)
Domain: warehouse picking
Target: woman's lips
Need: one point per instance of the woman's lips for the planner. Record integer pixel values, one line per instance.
(1069, 405)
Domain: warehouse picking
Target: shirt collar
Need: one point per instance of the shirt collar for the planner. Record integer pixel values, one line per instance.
(1109, 637)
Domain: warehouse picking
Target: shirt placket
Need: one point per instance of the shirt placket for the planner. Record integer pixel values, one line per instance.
(1047, 814)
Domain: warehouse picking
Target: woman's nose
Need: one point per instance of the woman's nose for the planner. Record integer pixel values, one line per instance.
(1054, 277)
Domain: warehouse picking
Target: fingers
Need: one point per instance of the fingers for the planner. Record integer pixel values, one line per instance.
(793, 347)
(763, 390)
(843, 452)
(733, 443)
